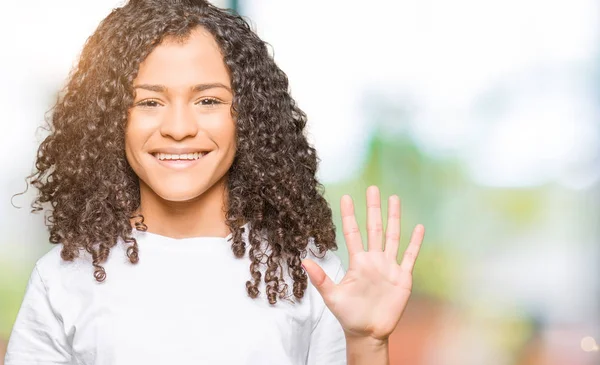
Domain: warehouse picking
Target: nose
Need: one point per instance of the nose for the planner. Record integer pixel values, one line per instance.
(179, 123)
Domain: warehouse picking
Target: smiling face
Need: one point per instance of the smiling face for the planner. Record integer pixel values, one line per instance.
(180, 135)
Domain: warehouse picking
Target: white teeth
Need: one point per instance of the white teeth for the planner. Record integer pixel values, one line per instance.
(184, 156)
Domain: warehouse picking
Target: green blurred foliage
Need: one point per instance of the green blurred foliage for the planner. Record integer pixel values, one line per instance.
(398, 167)
(13, 280)
(461, 221)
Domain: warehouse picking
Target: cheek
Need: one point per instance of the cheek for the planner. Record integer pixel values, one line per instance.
(231, 144)
(226, 132)
(135, 137)
(129, 156)
(130, 142)
(220, 127)
(140, 126)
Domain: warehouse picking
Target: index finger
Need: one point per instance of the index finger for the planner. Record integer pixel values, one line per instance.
(349, 226)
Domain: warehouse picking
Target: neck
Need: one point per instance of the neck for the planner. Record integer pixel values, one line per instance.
(203, 216)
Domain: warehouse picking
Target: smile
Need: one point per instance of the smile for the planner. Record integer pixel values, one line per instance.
(181, 157)
(180, 161)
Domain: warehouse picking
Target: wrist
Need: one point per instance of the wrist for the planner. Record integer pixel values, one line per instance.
(366, 350)
(367, 341)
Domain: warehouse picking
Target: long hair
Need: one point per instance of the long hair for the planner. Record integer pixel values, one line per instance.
(82, 171)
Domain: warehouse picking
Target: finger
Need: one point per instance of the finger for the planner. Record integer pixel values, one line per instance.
(350, 227)
(412, 251)
(319, 279)
(392, 231)
(374, 225)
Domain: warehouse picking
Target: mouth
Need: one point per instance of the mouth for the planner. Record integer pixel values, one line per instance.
(181, 157)
(180, 161)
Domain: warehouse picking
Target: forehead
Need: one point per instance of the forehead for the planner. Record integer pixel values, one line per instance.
(183, 62)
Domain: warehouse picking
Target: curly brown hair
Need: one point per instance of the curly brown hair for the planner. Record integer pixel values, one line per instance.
(82, 170)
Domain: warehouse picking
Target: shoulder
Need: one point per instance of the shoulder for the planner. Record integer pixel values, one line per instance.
(334, 269)
(328, 261)
(51, 261)
(52, 268)
(51, 265)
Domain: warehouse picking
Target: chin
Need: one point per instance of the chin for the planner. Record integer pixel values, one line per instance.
(179, 196)
(178, 189)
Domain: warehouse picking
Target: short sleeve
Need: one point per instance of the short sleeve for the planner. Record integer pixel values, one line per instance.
(37, 336)
(327, 341)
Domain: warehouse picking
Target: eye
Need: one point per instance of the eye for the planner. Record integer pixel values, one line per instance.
(149, 103)
(209, 102)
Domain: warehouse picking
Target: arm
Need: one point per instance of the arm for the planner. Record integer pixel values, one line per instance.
(329, 345)
(37, 336)
(367, 351)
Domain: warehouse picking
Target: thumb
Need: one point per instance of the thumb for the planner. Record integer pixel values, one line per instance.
(319, 279)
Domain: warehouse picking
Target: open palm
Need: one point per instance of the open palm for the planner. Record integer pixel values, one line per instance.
(370, 299)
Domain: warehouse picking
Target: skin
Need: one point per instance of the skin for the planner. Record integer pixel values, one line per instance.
(179, 203)
(370, 299)
(182, 203)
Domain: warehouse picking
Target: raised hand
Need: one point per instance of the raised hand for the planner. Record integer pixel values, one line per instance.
(370, 299)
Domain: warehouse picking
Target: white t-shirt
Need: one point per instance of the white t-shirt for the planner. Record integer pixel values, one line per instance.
(184, 302)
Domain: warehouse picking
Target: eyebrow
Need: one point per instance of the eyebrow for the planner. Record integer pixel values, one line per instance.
(195, 88)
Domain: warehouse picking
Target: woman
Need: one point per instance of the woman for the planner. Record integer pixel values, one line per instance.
(177, 172)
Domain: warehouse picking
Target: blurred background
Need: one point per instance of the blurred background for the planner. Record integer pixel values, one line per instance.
(482, 115)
